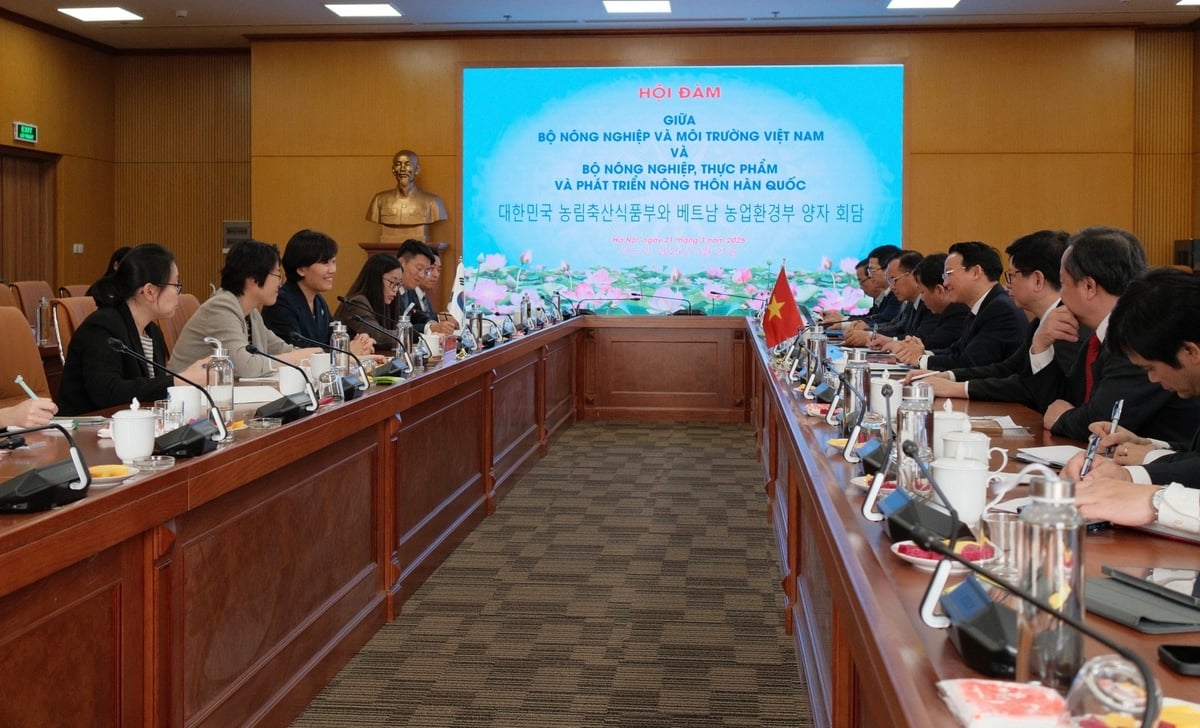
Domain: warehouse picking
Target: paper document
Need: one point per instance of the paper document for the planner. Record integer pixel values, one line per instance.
(1053, 455)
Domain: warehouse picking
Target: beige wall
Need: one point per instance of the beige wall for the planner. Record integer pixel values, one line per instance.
(1006, 131)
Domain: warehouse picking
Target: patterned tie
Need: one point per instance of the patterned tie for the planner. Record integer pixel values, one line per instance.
(1093, 352)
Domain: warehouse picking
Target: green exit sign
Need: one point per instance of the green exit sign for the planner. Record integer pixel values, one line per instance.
(23, 132)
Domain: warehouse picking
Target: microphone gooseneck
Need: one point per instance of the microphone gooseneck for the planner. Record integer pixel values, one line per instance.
(297, 338)
(690, 311)
(404, 352)
(308, 387)
(910, 448)
(213, 413)
(364, 307)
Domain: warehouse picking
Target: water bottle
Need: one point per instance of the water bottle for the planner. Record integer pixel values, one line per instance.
(818, 345)
(858, 372)
(914, 422)
(220, 379)
(404, 333)
(1050, 559)
(340, 339)
(41, 322)
(526, 311)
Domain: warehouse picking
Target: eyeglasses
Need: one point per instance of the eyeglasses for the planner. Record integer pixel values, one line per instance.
(892, 281)
(277, 275)
(393, 284)
(871, 270)
(949, 272)
(1010, 274)
(177, 286)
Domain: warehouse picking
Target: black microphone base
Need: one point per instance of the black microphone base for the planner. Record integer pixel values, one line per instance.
(41, 489)
(350, 387)
(187, 441)
(983, 631)
(288, 408)
(689, 312)
(394, 368)
(909, 520)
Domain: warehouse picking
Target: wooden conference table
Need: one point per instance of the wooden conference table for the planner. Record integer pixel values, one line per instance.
(230, 588)
(852, 605)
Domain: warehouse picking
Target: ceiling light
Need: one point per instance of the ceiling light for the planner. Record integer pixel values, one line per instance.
(365, 10)
(97, 15)
(921, 4)
(637, 6)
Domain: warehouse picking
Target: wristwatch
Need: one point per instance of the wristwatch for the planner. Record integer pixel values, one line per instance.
(1156, 501)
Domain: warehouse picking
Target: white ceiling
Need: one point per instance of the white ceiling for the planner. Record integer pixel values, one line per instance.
(190, 24)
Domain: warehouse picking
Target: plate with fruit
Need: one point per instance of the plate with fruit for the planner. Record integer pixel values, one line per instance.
(980, 553)
(863, 483)
(106, 476)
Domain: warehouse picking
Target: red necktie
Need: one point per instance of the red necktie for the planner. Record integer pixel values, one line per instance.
(1093, 351)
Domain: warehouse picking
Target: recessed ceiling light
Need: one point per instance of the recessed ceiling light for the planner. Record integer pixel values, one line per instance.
(637, 6)
(96, 15)
(365, 10)
(921, 4)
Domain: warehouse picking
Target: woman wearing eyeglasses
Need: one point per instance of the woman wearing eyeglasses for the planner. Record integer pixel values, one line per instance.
(374, 296)
(250, 280)
(143, 289)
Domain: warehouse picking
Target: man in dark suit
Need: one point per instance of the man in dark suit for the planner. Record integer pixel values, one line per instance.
(1156, 323)
(1099, 264)
(995, 327)
(917, 281)
(416, 260)
(885, 306)
(1033, 282)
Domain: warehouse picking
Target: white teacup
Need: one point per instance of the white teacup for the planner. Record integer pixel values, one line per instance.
(879, 403)
(190, 397)
(318, 364)
(972, 446)
(945, 422)
(133, 433)
(434, 342)
(291, 381)
(965, 483)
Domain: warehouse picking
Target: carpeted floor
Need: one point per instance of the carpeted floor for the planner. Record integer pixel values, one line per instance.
(628, 580)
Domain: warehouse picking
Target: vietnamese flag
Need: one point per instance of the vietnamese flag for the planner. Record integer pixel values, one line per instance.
(782, 318)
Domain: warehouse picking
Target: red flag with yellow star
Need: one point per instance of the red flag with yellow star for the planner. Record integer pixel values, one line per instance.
(782, 318)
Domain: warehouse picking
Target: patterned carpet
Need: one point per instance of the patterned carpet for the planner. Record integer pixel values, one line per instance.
(628, 580)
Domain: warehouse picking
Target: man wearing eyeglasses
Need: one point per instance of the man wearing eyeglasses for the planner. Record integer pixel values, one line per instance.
(417, 259)
(934, 322)
(886, 307)
(995, 327)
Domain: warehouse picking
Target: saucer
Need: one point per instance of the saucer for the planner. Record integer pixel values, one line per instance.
(111, 474)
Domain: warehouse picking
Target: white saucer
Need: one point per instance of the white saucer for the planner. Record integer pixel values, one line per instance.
(112, 480)
(931, 564)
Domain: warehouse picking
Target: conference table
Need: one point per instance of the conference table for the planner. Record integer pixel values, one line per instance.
(852, 605)
(229, 588)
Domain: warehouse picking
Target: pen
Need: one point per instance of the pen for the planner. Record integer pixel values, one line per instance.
(1093, 444)
(922, 376)
(21, 383)
(1116, 417)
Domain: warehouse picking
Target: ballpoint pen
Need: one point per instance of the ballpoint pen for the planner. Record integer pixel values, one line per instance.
(20, 380)
(1116, 418)
(1093, 444)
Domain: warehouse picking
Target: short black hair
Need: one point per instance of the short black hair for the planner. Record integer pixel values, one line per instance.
(411, 248)
(1112, 257)
(369, 283)
(248, 259)
(1041, 251)
(884, 254)
(975, 253)
(908, 260)
(305, 248)
(1156, 315)
(929, 271)
(146, 263)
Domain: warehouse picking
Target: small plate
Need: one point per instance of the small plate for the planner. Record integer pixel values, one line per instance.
(931, 564)
(111, 480)
(863, 483)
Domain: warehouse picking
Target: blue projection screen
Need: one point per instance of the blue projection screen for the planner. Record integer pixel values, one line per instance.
(690, 183)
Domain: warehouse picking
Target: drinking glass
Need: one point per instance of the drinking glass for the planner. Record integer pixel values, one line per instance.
(1108, 688)
(1002, 529)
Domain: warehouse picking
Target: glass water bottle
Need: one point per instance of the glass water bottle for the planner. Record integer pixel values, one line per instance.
(915, 423)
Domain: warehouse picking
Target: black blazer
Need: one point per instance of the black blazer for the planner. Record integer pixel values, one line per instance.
(1182, 466)
(1149, 410)
(95, 377)
(998, 329)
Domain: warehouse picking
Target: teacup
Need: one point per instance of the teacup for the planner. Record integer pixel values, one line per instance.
(972, 446)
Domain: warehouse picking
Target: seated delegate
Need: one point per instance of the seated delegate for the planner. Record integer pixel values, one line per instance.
(374, 296)
(250, 280)
(309, 262)
(144, 288)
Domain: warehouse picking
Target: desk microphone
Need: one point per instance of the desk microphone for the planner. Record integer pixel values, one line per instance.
(762, 302)
(289, 407)
(689, 311)
(194, 438)
(588, 312)
(364, 307)
(849, 453)
(932, 541)
(391, 368)
(510, 328)
(49, 486)
(351, 385)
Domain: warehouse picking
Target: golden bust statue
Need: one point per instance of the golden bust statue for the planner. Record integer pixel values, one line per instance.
(406, 211)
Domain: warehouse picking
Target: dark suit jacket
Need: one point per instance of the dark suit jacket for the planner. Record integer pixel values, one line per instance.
(1182, 466)
(96, 377)
(885, 311)
(940, 330)
(417, 316)
(1149, 410)
(998, 330)
(290, 313)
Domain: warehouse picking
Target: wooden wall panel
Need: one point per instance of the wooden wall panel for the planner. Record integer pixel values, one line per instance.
(1163, 140)
(183, 156)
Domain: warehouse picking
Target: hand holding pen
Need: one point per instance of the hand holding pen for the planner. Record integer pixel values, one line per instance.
(1116, 420)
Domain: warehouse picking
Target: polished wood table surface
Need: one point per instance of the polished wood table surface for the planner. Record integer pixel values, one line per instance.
(853, 605)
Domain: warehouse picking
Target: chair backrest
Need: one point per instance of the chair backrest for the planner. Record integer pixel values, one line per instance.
(69, 313)
(73, 290)
(171, 327)
(7, 298)
(28, 293)
(19, 355)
